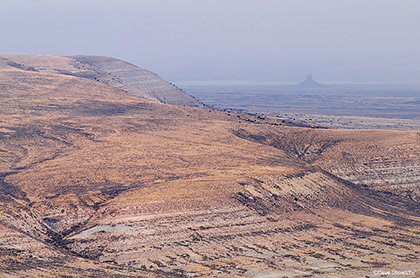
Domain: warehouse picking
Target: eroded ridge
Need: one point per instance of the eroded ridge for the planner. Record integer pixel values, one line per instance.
(100, 183)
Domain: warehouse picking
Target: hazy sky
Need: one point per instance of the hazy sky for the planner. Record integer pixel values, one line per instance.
(239, 40)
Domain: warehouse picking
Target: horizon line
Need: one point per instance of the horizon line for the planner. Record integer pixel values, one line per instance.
(284, 83)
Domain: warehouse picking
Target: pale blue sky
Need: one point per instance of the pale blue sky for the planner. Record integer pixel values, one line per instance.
(239, 40)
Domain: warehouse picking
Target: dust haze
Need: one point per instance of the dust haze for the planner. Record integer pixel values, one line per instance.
(228, 41)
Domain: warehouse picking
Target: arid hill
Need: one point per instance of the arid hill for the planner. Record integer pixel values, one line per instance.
(98, 182)
(114, 72)
(145, 81)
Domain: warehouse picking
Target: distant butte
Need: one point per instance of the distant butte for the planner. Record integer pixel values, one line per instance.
(309, 83)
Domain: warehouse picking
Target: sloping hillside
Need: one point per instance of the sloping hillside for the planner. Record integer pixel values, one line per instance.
(116, 73)
(146, 81)
(100, 183)
(385, 161)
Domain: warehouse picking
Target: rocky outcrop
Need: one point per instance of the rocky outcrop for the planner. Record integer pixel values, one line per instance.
(110, 71)
(309, 83)
(144, 80)
(386, 161)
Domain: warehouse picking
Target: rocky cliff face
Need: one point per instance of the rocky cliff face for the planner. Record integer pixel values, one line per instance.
(116, 73)
(144, 80)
